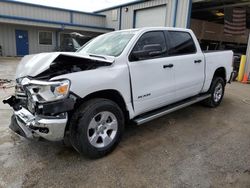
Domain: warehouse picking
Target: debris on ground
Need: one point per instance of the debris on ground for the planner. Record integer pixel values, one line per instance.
(247, 171)
(247, 101)
(6, 83)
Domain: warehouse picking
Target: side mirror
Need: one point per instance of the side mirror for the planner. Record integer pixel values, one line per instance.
(150, 50)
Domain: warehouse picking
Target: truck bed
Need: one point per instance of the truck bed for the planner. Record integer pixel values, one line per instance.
(215, 60)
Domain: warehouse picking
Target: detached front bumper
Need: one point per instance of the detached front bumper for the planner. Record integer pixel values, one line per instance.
(27, 125)
(33, 125)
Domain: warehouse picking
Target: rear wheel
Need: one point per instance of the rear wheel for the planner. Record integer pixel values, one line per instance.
(96, 127)
(216, 90)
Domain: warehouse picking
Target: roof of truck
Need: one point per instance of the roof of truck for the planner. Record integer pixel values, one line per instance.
(156, 28)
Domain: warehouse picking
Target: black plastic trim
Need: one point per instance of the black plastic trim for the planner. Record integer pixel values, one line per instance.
(15, 127)
(57, 107)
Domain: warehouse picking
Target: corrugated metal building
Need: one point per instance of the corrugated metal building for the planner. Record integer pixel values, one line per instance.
(28, 28)
(141, 13)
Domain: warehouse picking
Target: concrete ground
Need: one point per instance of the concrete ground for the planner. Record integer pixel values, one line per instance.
(193, 147)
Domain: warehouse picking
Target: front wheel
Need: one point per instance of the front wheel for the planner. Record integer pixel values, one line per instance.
(96, 127)
(216, 90)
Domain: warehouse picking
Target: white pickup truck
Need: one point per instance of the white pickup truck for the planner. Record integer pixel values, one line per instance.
(124, 76)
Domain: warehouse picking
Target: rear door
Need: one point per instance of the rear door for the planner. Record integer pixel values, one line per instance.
(189, 64)
(152, 78)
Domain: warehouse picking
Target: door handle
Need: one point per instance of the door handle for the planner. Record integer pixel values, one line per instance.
(197, 61)
(168, 66)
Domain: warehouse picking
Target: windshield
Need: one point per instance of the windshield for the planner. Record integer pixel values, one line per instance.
(111, 44)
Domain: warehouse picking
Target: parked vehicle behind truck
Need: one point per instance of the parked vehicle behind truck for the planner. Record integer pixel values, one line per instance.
(130, 75)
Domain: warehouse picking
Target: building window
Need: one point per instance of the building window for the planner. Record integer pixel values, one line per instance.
(114, 15)
(45, 37)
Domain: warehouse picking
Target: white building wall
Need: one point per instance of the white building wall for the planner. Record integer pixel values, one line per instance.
(182, 15)
(127, 20)
(13, 9)
(8, 39)
(109, 22)
(177, 13)
(27, 12)
(34, 18)
(59, 20)
(88, 20)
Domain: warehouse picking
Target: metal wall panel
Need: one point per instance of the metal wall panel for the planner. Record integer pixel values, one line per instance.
(56, 26)
(109, 22)
(8, 40)
(26, 11)
(127, 20)
(155, 16)
(126, 16)
(177, 13)
(37, 13)
(35, 47)
(28, 23)
(182, 13)
(84, 19)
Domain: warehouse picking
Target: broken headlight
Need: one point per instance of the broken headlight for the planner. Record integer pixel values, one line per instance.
(43, 91)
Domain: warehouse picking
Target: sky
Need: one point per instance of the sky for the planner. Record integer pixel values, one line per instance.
(81, 5)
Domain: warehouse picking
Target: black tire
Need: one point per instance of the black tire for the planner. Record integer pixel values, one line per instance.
(212, 101)
(80, 122)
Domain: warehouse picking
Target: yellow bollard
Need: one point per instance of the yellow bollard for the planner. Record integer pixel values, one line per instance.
(242, 68)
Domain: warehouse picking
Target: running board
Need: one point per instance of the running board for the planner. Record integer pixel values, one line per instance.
(168, 109)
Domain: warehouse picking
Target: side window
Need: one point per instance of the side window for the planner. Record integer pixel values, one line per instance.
(150, 45)
(181, 43)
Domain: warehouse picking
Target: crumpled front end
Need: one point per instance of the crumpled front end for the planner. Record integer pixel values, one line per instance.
(38, 112)
(31, 126)
(40, 105)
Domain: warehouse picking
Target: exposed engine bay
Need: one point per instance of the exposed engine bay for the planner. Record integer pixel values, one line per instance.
(65, 64)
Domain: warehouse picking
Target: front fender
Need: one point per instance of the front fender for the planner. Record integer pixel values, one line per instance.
(104, 78)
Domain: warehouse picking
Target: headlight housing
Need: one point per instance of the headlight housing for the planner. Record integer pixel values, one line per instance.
(43, 91)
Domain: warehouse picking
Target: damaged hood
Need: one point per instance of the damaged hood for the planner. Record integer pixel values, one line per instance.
(32, 65)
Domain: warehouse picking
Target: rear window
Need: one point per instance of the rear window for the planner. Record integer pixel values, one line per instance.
(181, 43)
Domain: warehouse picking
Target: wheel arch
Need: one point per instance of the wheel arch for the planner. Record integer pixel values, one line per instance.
(110, 94)
(221, 72)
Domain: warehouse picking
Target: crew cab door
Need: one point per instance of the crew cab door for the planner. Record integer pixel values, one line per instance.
(189, 64)
(152, 77)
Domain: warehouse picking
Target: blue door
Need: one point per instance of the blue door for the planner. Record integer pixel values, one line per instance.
(22, 43)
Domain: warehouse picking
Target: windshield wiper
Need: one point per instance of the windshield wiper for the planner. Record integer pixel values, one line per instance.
(93, 55)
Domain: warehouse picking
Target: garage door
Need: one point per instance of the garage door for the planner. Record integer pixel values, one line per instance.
(151, 17)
